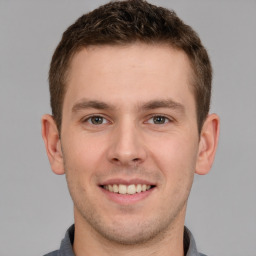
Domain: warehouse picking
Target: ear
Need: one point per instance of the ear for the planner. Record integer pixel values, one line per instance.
(52, 143)
(208, 144)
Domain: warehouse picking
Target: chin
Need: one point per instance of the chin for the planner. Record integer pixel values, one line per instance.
(130, 236)
(133, 232)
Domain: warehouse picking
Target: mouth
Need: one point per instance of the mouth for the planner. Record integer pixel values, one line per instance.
(127, 191)
(130, 189)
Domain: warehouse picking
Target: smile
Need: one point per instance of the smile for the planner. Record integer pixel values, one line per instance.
(127, 189)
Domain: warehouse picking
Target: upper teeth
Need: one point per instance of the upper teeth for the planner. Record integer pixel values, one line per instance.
(127, 189)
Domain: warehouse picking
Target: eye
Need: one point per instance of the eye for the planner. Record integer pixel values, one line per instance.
(96, 120)
(158, 120)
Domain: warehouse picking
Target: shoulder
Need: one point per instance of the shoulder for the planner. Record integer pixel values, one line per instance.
(54, 253)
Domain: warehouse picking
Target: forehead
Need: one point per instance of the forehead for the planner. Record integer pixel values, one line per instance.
(122, 73)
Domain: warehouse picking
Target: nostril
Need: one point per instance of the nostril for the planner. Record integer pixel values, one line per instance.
(132, 161)
(115, 159)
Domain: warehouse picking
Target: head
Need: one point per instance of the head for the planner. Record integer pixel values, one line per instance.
(124, 23)
(130, 89)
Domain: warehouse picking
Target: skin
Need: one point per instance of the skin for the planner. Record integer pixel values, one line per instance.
(144, 127)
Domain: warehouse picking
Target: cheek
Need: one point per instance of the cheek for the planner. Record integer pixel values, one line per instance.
(80, 162)
(175, 156)
(83, 147)
(82, 157)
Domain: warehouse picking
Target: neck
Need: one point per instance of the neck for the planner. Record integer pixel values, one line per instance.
(89, 242)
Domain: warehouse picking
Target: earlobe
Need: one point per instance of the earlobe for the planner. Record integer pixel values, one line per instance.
(52, 143)
(208, 144)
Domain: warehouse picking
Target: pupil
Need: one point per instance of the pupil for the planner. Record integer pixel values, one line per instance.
(97, 120)
(159, 120)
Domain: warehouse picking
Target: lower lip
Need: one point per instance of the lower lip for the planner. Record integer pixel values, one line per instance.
(127, 199)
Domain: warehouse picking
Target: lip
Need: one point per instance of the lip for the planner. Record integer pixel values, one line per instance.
(127, 199)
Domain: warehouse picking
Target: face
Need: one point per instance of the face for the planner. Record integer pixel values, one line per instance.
(129, 140)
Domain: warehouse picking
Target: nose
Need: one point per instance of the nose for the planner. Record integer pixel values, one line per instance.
(126, 145)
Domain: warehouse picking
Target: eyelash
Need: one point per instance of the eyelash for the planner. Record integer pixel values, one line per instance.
(167, 119)
(92, 116)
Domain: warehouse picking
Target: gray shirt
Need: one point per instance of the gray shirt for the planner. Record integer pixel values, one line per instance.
(67, 241)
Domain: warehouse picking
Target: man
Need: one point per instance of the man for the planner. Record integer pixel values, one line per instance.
(130, 88)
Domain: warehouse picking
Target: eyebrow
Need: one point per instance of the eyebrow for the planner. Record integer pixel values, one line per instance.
(153, 104)
(168, 103)
(85, 104)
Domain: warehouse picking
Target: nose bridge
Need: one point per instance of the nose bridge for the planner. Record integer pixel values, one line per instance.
(126, 146)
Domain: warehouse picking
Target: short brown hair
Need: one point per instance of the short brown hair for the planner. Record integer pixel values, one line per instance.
(126, 22)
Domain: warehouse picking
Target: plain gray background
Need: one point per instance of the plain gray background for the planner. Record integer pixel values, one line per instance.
(36, 208)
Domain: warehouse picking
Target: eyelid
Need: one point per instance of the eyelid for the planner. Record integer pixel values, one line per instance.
(169, 119)
(87, 118)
